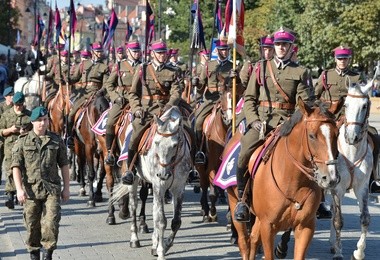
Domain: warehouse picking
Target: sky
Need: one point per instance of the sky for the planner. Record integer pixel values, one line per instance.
(66, 3)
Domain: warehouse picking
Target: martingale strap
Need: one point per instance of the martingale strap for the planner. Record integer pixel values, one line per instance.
(278, 87)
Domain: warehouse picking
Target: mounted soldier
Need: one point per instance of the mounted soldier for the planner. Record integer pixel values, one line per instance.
(118, 85)
(92, 74)
(269, 100)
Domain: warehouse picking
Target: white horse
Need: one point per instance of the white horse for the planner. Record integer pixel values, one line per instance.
(31, 88)
(355, 163)
(166, 165)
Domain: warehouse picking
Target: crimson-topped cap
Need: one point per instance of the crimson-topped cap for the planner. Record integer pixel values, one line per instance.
(133, 45)
(85, 54)
(284, 36)
(64, 53)
(159, 46)
(219, 44)
(173, 52)
(120, 49)
(266, 41)
(204, 52)
(342, 52)
(97, 46)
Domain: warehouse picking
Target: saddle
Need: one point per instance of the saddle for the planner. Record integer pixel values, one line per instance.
(264, 151)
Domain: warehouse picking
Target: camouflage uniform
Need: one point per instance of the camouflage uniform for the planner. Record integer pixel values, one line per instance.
(9, 119)
(37, 158)
(3, 107)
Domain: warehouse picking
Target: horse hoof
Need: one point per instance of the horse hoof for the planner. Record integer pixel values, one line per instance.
(144, 229)
(233, 241)
(98, 198)
(332, 250)
(213, 218)
(154, 252)
(124, 215)
(279, 253)
(228, 227)
(206, 219)
(202, 212)
(91, 203)
(111, 221)
(82, 192)
(197, 189)
(134, 244)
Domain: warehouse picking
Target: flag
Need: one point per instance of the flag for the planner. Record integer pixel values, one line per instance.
(73, 18)
(58, 24)
(18, 37)
(198, 39)
(40, 26)
(234, 16)
(112, 23)
(149, 27)
(129, 31)
(104, 31)
(50, 27)
(218, 18)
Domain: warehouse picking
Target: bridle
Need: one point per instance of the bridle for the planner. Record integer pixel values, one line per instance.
(313, 159)
(363, 125)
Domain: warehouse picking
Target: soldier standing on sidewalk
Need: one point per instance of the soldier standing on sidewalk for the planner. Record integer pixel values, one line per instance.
(35, 160)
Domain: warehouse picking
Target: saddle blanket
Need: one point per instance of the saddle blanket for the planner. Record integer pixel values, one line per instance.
(124, 150)
(226, 175)
(239, 106)
(100, 126)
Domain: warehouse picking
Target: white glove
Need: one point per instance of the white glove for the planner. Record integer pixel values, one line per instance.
(28, 62)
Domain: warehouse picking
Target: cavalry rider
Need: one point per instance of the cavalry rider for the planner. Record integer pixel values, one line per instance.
(58, 74)
(92, 74)
(211, 81)
(119, 54)
(155, 88)
(174, 61)
(118, 86)
(204, 57)
(269, 100)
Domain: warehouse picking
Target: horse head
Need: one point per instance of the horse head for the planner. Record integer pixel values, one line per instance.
(357, 108)
(167, 142)
(317, 151)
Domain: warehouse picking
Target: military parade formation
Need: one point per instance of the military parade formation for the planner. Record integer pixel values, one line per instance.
(106, 110)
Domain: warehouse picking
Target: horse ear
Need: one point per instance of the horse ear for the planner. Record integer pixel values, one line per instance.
(368, 87)
(304, 107)
(158, 120)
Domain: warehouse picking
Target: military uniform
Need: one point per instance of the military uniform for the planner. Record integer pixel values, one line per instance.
(118, 86)
(38, 158)
(8, 119)
(3, 107)
(58, 75)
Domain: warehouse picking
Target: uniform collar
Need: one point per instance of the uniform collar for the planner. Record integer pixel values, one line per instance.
(341, 72)
(281, 64)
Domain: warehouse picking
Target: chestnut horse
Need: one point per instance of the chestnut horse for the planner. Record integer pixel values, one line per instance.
(215, 129)
(58, 108)
(287, 188)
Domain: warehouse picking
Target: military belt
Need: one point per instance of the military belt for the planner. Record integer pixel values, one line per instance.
(93, 84)
(156, 97)
(279, 105)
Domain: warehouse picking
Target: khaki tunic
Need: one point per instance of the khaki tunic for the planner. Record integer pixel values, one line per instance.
(294, 81)
(337, 86)
(145, 94)
(39, 159)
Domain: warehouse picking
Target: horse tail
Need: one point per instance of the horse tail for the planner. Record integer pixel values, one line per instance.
(119, 191)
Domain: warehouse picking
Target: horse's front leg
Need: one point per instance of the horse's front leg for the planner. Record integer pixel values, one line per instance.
(144, 190)
(336, 225)
(107, 170)
(91, 179)
(135, 242)
(365, 217)
(176, 221)
(213, 195)
(159, 222)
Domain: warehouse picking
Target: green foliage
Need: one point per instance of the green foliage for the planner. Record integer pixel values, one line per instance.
(8, 22)
(321, 25)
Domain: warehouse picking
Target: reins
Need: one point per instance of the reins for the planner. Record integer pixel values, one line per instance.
(361, 124)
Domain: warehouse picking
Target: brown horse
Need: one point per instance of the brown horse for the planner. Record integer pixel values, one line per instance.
(287, 187)
(58, 108)
(215, 128)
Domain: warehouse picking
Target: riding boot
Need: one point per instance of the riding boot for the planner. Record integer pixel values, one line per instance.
(129, 175)
(323, 212)
(70, 139)
(35, 255)
(110, 159)
(200, 157)
(10, 204)
(241, 212)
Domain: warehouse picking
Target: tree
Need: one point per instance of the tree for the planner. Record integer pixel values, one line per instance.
(8, 23)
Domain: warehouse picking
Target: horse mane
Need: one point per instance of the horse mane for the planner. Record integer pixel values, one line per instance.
(289, 124)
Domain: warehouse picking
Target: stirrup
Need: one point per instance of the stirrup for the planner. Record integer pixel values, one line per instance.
(193, 176)
(128, 178)
(200, 158)
(110, 160)
(241, 212)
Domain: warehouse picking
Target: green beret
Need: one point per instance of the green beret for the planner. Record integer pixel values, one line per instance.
(18, 98)
(8, 91)
(37, 113)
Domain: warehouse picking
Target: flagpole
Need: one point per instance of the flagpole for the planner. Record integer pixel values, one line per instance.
(234, 10)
